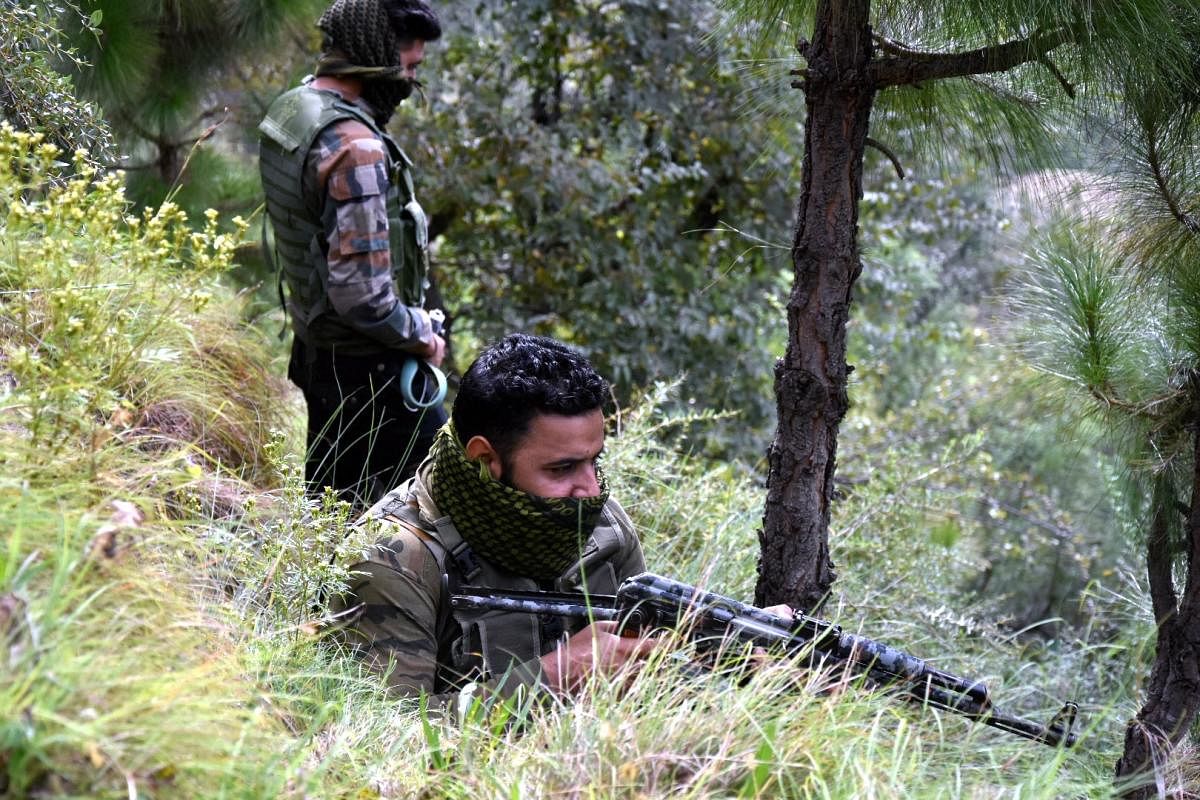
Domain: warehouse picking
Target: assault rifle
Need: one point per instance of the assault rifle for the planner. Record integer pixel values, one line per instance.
(648, 602)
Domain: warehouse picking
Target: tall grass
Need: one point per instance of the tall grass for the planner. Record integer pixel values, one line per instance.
(162, 573)
(131, 403)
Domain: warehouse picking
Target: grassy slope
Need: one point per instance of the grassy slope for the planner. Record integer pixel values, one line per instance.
(160, 562)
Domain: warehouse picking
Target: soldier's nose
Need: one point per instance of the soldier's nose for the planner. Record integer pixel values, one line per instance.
(588, 486)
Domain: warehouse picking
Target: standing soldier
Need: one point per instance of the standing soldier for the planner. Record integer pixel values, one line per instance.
(351, 242)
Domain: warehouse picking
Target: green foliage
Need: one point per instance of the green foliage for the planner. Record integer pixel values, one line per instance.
(1028, 509)
(128, 403)
(1113, 313)
(277, 558)
(930, 257)
(1119, 331)
(34, 96)
(177, 655)
(184, 664)
(1015, 119)
(1080, 305)
(77, 274)
(158, 68)
(593, 178)
(214, 179)
(159, 608)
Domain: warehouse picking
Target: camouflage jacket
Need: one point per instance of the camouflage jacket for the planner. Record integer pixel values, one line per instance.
(400, 617)
(350, 237)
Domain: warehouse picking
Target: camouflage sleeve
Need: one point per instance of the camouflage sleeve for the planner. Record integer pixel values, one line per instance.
(394, 612)
(395, 629)
(348, 166)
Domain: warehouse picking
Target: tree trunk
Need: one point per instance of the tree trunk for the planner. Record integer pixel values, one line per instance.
(170, 161)
(810, 380)
(1173, 693)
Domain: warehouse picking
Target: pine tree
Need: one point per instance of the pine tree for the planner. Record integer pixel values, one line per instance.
(1114, 307)
(1000, 74)
(155, 66)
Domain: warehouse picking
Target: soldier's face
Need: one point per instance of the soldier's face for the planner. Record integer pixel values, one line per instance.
(557, 456)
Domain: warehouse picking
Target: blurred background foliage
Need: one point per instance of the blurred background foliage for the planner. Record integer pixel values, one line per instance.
(35, 94)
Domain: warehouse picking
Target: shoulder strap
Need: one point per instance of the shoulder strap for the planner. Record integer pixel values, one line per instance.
(447, 542)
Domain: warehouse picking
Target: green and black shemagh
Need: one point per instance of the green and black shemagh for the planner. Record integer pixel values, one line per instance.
(366, 47)
(534, 537)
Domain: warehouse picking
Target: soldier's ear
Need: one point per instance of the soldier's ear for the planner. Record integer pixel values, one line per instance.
(480, 449)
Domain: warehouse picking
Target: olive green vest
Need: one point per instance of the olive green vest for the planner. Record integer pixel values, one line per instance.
(292, 124)
(493, 642)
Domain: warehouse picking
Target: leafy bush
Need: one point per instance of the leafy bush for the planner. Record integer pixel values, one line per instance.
(130, 399)
(34, 95)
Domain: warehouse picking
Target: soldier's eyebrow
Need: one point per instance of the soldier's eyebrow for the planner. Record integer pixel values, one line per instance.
(570, 461)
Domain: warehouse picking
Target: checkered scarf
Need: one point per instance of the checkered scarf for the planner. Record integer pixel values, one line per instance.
(535, 537)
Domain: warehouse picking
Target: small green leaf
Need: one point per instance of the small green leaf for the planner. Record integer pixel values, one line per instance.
(761, 766)
(437, 759)
(945, 534)
(96, 18)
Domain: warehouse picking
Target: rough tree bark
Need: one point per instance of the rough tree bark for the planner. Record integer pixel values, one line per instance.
(1173, 693)
(843, 76)
(810, 380)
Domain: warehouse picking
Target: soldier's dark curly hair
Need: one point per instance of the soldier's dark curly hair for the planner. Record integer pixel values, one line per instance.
(516, 379)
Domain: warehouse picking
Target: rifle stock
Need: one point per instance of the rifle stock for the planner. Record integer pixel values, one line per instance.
(648, 601)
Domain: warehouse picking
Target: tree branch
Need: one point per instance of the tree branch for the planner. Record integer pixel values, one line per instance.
(894, 48)
(890, 155)
(905, 67)
(1188, 221)
(1045, 61)
(1150, 410)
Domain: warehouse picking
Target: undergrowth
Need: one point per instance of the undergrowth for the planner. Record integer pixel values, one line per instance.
(163, 575)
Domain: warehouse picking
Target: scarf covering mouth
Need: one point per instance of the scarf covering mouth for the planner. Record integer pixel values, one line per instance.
(366, 47)
(527, 535)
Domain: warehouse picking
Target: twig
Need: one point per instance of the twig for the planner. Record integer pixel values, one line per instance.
(1045, 61)
(897, 49)
(65, 288)
(907, 68)
(1152, 158)
(890, 155)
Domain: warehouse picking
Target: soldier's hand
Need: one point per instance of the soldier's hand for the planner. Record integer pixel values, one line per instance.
(781, 610)
(595, 650)
(435, 351)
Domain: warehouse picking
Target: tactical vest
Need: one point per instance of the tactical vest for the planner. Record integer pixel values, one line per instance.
(492, 642)
(292, 124)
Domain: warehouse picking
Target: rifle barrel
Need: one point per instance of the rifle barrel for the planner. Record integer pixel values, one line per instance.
(533, 603)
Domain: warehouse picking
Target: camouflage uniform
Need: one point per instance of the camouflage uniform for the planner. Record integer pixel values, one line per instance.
(404, 626)
(354, 262)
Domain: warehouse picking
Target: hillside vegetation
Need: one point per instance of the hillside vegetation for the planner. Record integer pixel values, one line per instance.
(161, 575)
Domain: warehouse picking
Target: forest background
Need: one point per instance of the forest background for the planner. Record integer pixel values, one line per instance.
(622, 176)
